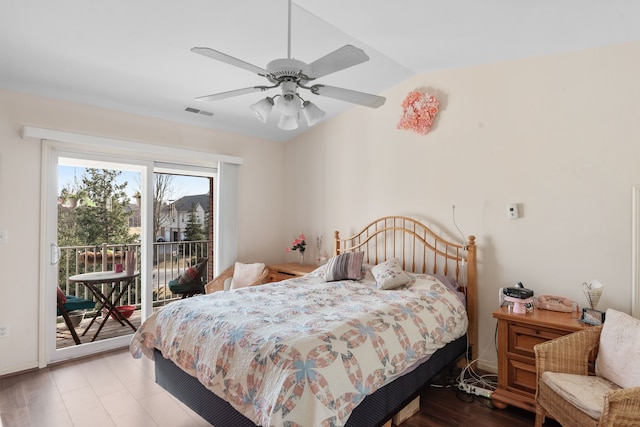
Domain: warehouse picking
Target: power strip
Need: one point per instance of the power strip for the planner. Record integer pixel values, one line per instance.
(478, 391)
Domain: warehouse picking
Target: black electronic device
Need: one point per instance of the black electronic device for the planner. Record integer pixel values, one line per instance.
(517, 292)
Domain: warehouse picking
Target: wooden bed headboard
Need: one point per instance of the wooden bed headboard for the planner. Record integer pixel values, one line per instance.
(420, 251)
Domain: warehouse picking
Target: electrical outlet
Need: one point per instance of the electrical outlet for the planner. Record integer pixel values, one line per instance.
(4, 331)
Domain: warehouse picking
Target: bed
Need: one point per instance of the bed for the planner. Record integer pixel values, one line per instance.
(385, 347)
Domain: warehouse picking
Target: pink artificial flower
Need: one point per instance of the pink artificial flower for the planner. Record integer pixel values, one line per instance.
(298, 244)
(418, 112)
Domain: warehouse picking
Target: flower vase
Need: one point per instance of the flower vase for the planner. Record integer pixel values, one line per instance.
(301, 258)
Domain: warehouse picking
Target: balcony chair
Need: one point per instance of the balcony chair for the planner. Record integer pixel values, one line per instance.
(569, 394)
(241, 275)
(68, 303)
(190, 281)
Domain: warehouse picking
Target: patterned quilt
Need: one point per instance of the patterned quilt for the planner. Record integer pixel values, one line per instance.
(303, 352)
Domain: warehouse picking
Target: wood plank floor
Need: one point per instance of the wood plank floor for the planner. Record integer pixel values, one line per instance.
(113, 389)
(449, 407)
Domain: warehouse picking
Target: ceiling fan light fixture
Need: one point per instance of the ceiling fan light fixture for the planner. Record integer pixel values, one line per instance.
(312, 112)
(262, 108)
(290, 75)
(288, 122)
(288, 104)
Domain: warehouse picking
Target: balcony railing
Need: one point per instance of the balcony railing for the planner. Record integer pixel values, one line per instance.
(170, 259)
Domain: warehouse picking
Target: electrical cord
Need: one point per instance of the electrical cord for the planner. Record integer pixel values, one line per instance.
(475, 379)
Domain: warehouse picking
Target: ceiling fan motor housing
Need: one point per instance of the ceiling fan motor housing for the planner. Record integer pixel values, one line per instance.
(281, 70)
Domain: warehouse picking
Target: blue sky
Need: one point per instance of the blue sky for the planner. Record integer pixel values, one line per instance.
(182, 185)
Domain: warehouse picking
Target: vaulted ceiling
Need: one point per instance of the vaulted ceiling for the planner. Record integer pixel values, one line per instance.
(134, 56)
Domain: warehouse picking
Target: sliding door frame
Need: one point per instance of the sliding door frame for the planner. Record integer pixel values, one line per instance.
(225, 243)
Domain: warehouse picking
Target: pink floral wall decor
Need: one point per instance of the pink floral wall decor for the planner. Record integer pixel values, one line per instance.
(419, 109)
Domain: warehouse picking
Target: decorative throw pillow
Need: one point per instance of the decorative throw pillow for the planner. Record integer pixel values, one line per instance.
(617, 358)
(344, 266)
(193, 273)
(245, 274)
(389, 274)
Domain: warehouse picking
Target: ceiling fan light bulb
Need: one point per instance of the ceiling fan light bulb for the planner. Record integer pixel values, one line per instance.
(262, 108)
(312, 112)
(288, 104)
(288, 122)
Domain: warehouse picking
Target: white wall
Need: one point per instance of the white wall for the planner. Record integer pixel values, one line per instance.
(261, 225)
(557, 134)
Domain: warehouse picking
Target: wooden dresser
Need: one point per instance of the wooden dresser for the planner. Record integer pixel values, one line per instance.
(517, 334)
(278, 272)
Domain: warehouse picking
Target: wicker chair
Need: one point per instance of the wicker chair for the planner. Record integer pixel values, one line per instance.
(218, 283)
(570, 354)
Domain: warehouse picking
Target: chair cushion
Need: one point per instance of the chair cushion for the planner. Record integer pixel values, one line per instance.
(245, 274)
(77, 303)
(619, 348)
(584, 392)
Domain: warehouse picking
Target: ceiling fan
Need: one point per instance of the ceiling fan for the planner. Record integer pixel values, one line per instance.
(290, 75)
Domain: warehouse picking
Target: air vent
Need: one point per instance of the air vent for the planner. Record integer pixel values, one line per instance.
(196, 111)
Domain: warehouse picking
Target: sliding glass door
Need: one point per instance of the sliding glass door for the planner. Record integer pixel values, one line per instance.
(101, 209)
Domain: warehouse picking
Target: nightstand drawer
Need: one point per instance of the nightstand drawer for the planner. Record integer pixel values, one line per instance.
(522, 339)
(522, 376)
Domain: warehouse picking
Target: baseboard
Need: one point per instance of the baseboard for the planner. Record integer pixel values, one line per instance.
(18, 369)
(487, 367)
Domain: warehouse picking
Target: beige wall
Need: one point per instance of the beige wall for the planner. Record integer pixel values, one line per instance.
(558, 135)
(261, 225)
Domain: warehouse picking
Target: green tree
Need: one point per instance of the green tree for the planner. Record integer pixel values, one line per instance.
(105, 219)
(193, 229)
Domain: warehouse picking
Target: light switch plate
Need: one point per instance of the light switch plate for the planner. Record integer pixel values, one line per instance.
(4, 236)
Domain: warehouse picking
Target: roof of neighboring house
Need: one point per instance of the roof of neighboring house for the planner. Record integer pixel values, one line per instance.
(183, 204)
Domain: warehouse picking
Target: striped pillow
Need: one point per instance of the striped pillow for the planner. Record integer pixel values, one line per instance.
(344, 266)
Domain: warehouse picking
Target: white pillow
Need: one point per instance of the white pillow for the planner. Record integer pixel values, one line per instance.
(619, 350)
(245, 274)
(389, 274)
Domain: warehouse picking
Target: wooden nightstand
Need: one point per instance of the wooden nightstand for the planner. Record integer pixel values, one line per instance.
(278, 272)
(517, 334)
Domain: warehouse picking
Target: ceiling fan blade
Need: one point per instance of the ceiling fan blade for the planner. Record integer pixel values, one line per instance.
(223, 57)
(345, 57)
(366, 99)
(232, 93)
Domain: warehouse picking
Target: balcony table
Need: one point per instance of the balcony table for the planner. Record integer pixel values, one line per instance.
(91, 282)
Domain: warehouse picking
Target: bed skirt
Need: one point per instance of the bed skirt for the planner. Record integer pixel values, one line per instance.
(375, 409)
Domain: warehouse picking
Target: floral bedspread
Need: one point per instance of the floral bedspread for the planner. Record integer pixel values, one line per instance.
(303, 352)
